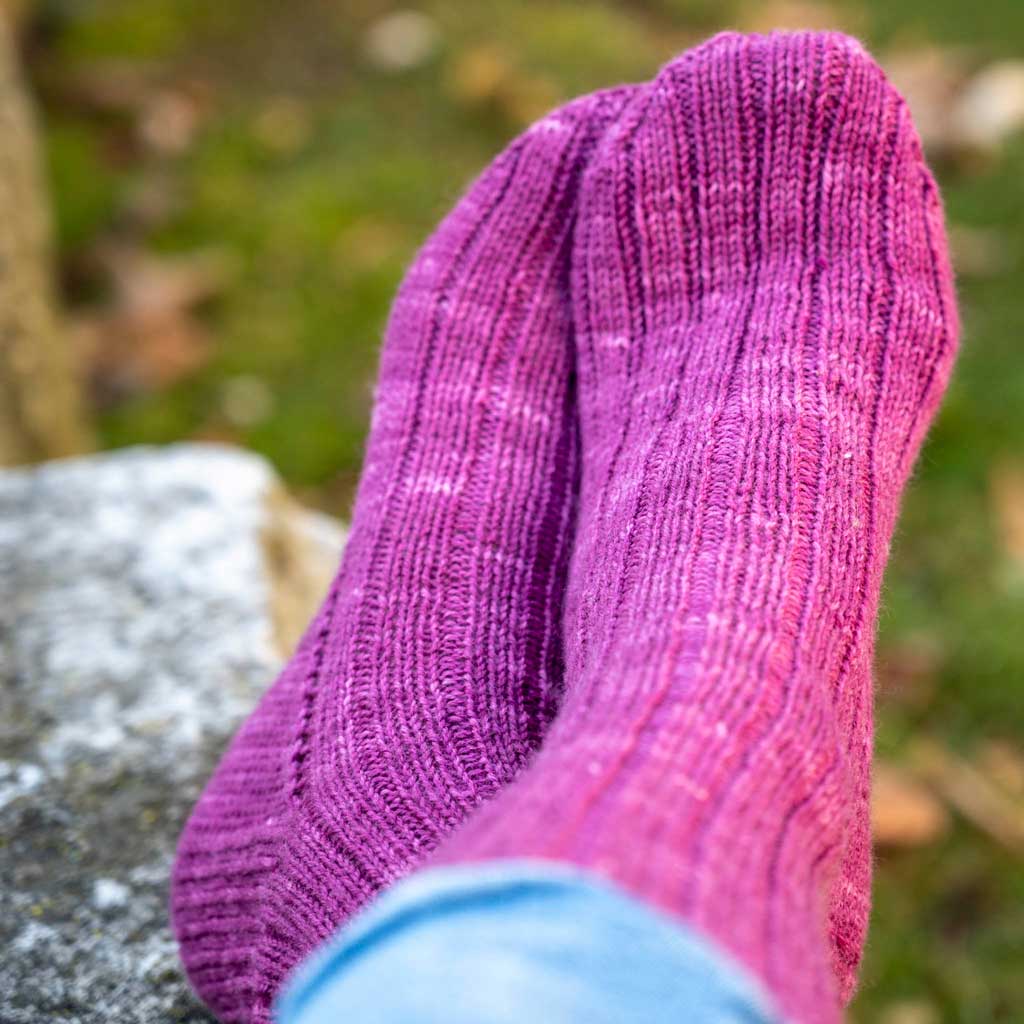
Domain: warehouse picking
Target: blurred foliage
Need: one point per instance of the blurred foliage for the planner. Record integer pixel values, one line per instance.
(304, 150)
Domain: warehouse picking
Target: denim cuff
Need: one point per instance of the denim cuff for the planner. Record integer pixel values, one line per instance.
(519, 942)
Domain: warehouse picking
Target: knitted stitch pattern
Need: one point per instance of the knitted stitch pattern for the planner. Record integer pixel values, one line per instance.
(765, 325)
(428, 676)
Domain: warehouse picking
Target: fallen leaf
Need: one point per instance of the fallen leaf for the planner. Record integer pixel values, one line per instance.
(128, 355)
(168, 121)
(146, 283)
(1004, 765)
(147, 336)
(401, 40)
(970, 792)
(963, 113)
(929, 78)
(1006, 490)
(484, 76)
(106, 86)
(476, 75)
(990, 108)
(903, 811)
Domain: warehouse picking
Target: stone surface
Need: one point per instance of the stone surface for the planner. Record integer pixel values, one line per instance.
(147, 597)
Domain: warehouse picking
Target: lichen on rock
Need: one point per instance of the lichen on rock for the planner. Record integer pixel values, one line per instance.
(139, 622)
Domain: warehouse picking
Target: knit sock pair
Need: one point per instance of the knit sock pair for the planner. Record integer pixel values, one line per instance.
(647, 403)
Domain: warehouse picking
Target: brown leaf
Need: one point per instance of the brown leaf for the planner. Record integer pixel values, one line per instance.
(477, 75)
(107, 86)
(962, 112)
(128, 354)
(147, 336)
(1004, 765)
(929, 78)
(168, 121)
(903, 811)
(147, 284)
(1006, 490)
(966, 788)
(401, 40)
(990, 108)
(484, 76)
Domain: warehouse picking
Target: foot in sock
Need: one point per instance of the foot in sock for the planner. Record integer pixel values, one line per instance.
(765, 325)
(430, 672)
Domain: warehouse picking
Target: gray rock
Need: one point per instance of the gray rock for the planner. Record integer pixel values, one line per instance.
(147, 598)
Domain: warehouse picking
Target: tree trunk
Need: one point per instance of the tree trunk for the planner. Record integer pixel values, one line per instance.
(41, 404)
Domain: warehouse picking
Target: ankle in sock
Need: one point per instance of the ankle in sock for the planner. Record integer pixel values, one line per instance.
(434, 666)
(765, 323)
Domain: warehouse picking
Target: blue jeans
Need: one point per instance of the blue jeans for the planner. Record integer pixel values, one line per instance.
(518, 942)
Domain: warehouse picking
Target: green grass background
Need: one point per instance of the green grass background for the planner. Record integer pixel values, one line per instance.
(320, 232)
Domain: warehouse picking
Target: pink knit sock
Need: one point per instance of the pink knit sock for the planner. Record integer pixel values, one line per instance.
(433, 668)
(765, 326)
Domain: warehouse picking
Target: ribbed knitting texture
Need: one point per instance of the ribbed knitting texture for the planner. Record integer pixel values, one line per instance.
(765, 325)
(430, 673)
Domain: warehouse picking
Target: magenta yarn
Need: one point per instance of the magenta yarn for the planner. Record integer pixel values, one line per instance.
(647, 403)
(765, 325)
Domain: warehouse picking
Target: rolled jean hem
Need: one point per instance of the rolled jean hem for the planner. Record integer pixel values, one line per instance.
(519, 942)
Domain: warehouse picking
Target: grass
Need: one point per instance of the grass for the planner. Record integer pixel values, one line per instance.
(321, 218)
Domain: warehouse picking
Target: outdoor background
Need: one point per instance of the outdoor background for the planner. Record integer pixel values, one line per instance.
(239, 184)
